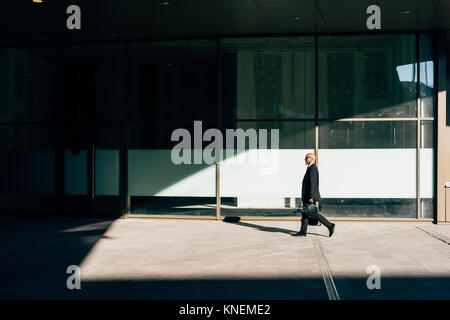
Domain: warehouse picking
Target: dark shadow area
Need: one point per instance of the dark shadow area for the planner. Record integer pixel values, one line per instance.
(259, 212)
(397, 288)
(349, 288)
(263, 228)
(209, 289)
(272, 229)
(37, 251)
(28, 205)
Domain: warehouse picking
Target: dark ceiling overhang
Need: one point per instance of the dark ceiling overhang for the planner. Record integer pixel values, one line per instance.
(24, 21)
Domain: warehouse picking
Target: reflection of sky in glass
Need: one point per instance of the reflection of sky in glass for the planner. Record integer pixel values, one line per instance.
(426, 73)
(406, 73)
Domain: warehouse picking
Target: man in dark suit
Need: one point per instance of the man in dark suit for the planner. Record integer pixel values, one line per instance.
(311, 194)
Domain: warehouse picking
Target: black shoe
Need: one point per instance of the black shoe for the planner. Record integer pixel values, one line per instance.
(299, 234)
(331, 230)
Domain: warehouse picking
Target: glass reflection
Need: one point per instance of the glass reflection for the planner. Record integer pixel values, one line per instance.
(274, 77)
(367, 76)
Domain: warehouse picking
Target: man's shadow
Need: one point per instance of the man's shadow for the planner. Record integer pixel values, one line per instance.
(270, 229)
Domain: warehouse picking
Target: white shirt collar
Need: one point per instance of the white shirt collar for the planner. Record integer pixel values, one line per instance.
(309, 165)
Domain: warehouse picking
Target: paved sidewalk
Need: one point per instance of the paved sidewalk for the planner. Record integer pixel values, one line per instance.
(181, 259)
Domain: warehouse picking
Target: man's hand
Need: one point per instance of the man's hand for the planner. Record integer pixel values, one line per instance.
(311, 201)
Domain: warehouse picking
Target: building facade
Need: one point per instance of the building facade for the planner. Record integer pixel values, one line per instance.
(88, 126)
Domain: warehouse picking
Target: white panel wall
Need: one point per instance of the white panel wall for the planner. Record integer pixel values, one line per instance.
(152, 173)
(255, 186)
(367, 173)
(344, 173)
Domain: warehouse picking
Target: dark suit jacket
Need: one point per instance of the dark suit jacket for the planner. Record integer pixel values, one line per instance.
(310, 184)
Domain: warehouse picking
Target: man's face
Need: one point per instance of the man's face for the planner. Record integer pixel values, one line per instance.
(309, 159)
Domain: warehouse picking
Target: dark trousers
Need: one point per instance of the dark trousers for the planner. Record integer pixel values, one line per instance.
(314, 214)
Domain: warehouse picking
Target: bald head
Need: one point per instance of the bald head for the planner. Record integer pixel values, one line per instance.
(310, 158)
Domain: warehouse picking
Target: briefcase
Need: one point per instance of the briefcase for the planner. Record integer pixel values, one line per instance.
(311, 221)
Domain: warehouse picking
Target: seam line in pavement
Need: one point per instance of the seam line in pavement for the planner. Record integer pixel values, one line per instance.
(435, 235)
(325, 269)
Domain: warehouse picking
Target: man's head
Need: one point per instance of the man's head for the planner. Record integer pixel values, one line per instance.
(310, 158)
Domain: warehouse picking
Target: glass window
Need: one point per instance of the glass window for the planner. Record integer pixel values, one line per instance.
(106, 172)
(27, 159)
(266, 181)
(265, 80)
(369, 207)
(367, 134)
(427, 134)
(77, 138)
(95, 83)
(273, 78)
(426, 76)
(427, 183)
(28, 84)
(175, 80)
(367, 76)
(158, 134)
(176, 83)
(76, 172)
(292, 134)
(368, 168)
(107, 159)
(158, 186)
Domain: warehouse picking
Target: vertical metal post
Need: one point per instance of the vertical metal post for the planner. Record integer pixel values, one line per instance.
(123, 149)
(217, 192)
(435, 56)
(91, 179)
(59, 154)
(442, 104)
(123, 172)
(316, 94)
(418, 103)
(219, 119)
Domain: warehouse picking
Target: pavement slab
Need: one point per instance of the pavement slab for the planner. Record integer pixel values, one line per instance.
(193, 259)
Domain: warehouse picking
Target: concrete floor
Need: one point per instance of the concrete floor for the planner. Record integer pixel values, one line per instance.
(182, 259)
